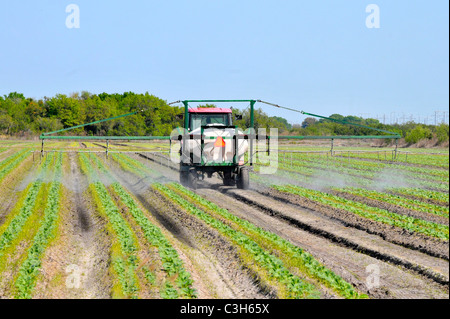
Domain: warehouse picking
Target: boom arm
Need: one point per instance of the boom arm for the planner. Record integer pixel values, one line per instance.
(92, 123)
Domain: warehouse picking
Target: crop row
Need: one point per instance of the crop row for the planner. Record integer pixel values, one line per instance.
(290, 254)
(441, 198)
(30, 268)
(303, 163)
(171, 262)
(369, 212)
(441, 161)
(124, 258)
(12, 162)
(270, 267)
(399, 201)
(310, 175)
(11, 228)
(130, 164)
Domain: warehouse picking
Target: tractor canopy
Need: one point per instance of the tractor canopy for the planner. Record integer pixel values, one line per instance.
(209, 116)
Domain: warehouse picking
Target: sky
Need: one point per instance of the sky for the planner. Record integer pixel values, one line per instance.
(316, 56)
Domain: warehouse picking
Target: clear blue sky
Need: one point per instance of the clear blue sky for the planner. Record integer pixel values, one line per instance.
(317, 56)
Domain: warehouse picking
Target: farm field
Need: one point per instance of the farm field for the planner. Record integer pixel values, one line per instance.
(352, 223)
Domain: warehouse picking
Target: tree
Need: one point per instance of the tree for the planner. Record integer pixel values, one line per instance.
(66, 109)
(442, 133)
(418, 133)
(6, 122)
(309, 121)
(14, 96)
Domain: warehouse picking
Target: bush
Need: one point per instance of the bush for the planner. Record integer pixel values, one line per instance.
(418, 133)
(442, 133)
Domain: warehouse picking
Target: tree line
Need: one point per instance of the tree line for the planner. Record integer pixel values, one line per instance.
(27, 117)
(412, 132)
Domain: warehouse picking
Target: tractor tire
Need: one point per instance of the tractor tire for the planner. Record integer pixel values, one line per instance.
(192, 179)
(228, 179)
(243, 181)
(184, 178)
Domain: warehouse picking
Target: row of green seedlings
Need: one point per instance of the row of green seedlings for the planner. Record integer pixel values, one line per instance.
(124, 251)
(270, 268)
(411, 204)
(308, 176)
(441, 199)
(269, 255)
(291, 255)
(373, 213)
(430, 173)
(293, 176)
(30, 268)
(14, 223)
(134, 166)
(11, 162)
(309, 166)
(441, 161)
(172, 264)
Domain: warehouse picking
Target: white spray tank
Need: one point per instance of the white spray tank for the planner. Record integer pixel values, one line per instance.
(219, 145)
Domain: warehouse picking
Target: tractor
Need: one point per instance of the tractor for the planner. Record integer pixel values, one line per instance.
(211, 144)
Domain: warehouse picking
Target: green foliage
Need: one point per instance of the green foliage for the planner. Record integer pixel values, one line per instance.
(442, 133)
(124, 262)
(171, 262)
(29, 270)
(418, 133)
(273, 266)
(11, 162)
(15, 226)
(399, 201)
(294, 254)
(380, 215)
(261, 120)
(20, 115)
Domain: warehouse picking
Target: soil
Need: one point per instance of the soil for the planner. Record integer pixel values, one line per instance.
(209, 256)
(410, 265)
(413, 266)
(82, 242)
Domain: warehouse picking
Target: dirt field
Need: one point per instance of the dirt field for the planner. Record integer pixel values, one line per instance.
(125, 228)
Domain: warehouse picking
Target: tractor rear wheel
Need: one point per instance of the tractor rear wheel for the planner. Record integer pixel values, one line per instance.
(192, 178)
(184, 175)
(228, 179)
(243, 181)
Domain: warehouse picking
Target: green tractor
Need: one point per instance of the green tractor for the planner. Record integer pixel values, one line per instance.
(212, 144)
